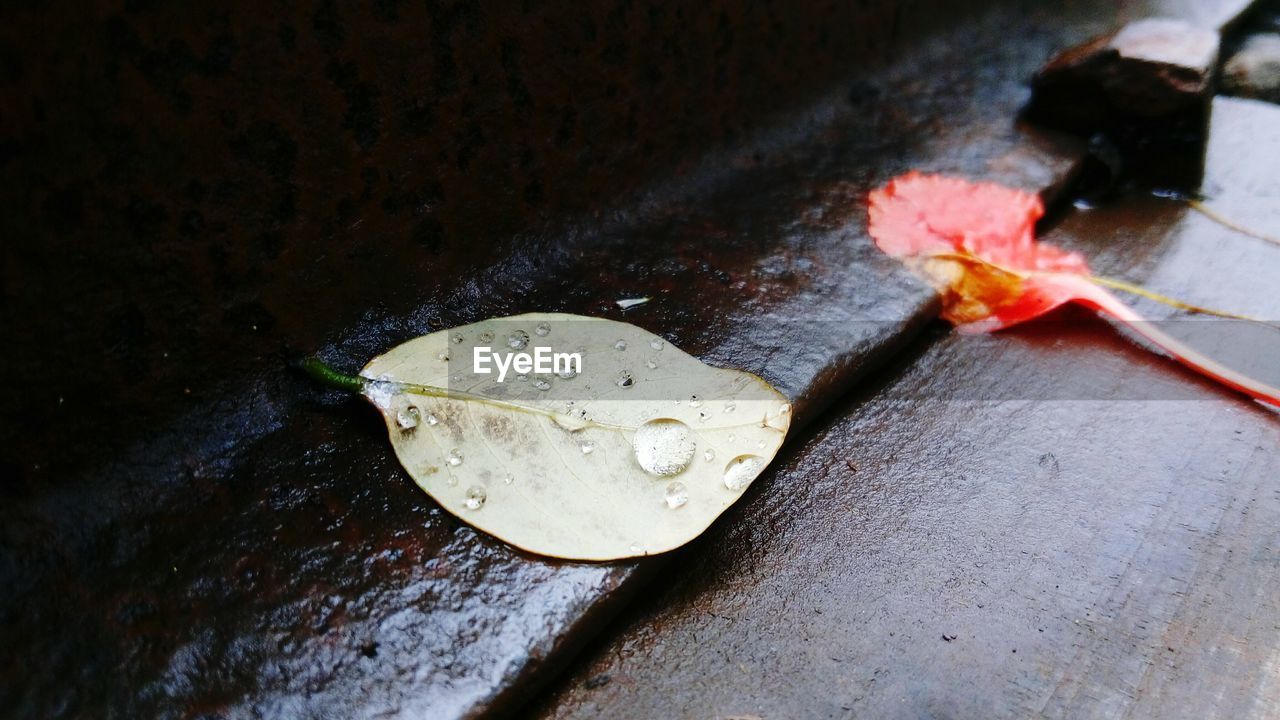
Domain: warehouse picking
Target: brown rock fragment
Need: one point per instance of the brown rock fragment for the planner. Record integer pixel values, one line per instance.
(1149, 69)
(1147, 87)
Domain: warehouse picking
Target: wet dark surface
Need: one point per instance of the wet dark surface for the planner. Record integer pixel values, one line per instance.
(1044, 522)
(187, 530)
(1060, 558)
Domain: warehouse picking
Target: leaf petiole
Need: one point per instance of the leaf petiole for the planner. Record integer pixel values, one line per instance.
(325, 375)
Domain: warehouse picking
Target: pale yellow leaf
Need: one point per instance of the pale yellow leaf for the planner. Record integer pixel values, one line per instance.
(637, 454)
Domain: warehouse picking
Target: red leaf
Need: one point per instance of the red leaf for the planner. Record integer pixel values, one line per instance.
(917, 214)
(976, 243)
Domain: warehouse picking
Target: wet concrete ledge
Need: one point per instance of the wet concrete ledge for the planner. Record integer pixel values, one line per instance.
(219, 541)
(1047, 522)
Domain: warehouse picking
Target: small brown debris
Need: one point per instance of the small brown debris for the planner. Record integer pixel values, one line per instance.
(597, 681)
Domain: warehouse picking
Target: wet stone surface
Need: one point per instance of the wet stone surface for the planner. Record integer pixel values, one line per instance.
(1044, 522)
(187, 529)
(222, 538)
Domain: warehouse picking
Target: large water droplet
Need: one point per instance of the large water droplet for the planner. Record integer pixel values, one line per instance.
(517, 340)
(454, 458)
(676, 495)
(543, 329)
(587, 447)
(573, 421)
(742, 470)
(620, 345)
(476, 497)
(664, 446)
(407, 417)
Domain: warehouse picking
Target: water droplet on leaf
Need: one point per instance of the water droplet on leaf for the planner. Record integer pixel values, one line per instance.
(407, 417)
(476, 497)
(517, 340)
(620, 345)
(676, 495)
(742, 470)
(543, 329)
(455, 457)
(663, 447)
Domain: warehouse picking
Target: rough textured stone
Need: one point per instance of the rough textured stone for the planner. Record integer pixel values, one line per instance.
(1254, 70)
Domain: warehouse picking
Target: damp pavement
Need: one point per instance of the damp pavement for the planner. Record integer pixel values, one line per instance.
(1045, 522)
(189, 530)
